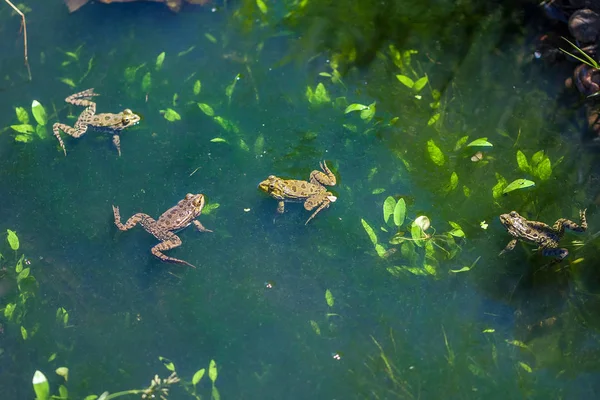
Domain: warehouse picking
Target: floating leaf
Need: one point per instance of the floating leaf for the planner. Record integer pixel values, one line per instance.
(212, 371)
(420, 83)
(197, 87)
(370, 231)
(198, 376)
(64, 372)
(399, 212)
(262, 6)
(168, 363)
(388, 208)
(218, 140)
(435, 153)
(522, 162)
(159, 60)
(23, 128)
(68, 81)
(518, 184)
(171, 115)
(480, 142)
(22, 115)
(41, 386)
(406, 81)
(315, 327)
(329, 298)
(146, 82)
(206, 109)
(355, 107)
(544, 169)
(13, 240)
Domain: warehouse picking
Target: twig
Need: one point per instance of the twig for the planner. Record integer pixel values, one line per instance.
(24, 26)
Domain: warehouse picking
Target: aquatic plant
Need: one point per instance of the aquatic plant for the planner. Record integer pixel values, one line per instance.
(25, 130)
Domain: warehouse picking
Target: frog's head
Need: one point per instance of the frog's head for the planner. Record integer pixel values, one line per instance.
(194, 202)
(271, 186)
(511, 220)
(128, 118)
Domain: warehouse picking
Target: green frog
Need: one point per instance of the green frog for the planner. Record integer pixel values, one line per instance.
(546, 237)
(312, 193)
(107, 122)
(174, 219)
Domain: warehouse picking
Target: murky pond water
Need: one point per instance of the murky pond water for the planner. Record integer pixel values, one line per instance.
(359, 303)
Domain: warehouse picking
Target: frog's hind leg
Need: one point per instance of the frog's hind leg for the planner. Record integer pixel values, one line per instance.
(510, 246)
(81, 126)
(117, 142)
(82, 98)
(169, 241)
(143, 219)
(323, 178)
(563, 224)
(321, 201)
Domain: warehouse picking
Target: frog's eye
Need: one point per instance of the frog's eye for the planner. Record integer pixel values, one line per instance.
(126, 120)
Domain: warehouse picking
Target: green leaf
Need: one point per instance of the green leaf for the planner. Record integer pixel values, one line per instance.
(525, 367)
(329, 298)
(262, 6)
(488, 330)
(321, 95)
(229, 89)
(210, 38)
(434, 118)
(499, 186)
(197, 87)
(522, 162)
(259, 145)
(209, 208)
(518, 184)
(159, 60)
(368, 113)
(198, 376)
(480, 142)
(355, 107)
(517, 343)
(435, 153)
(23, 138)
(63, 392)
(406, 81)
(212, 371)
(417, 234)
(41, 131)
(458, 232)
(380, 250)
(399, 212)
(460, 142)
(68, 81)
(23, 332)
(171, 115)
(420, 83)
(19, 266)
(453, 182)
(544, 169)
(23, 274)
(41, 386)
(243, 145)
(23, 128)
(39, 113)
(13, 240)
(9, 310)
(537, 158)
(463, 269)
(167, 363)
(214, 393)
(146, 82)
(378, 191)
(22, 115)
(388, 208)
(206, 109)
(369, 231)
(315, 327)
(218, 140)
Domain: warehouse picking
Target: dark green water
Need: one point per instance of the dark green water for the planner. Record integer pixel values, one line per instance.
(126, 308)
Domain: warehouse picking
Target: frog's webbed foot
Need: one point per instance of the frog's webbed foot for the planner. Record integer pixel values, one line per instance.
(56, 128)
(200, 227)
(323, 178)
(117, 142)
(172, 242)
(510, 246)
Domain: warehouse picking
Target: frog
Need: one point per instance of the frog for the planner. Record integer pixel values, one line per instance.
(106, 122)
(546, 237)
(312, 193)
(174, 219)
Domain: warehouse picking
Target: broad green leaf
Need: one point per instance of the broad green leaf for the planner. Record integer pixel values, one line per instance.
(206, 109)
(329, 298)
(522, 162)
(198, 376)
(23, 128)
(41, 131)
(380, 250)
(23, 138)
(420, 83)
(457, 231)
(417, 234)
(23, 332)
(19, 266)
(406, 81)
(355, 107)
(13, 240)
(537, 158)
(388, 208)
(480, 142)
(315, 327)
(22, 115)
(64, 372)
(544, 169)
(434, 118)
(41, 386)
(518, 184)
(23, 274)
(370, 231)
(435, 153)
(460, 142)
(197, 87)
(68, 81)
(171, 115)
(262, 6)
(399, 212)
(218, 140)
(525, 367)
(368, 113)
(498, 188)
(159, 60)
(146, 82)
(168, 363)
(212, 371)
(259, 145)
(321, 95)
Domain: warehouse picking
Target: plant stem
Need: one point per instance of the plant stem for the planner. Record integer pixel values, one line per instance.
(24, 26)
(123, 393)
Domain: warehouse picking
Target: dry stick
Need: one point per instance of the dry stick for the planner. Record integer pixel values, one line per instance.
(24, 26)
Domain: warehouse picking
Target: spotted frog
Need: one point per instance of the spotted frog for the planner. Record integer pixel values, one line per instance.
(108, 123)
(539, 233)
(174, 219)
(312, 193)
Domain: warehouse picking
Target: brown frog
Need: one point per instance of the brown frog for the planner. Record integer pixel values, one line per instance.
(534, 232)
(174, 219)
(312, 193)
(107, 122)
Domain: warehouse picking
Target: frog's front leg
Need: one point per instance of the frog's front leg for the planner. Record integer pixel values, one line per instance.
(200, 227)
(563, 224)
(510, 246)
(117, 142)
(169, 241)
(144, 219)
(280, 206)
(324, 178)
